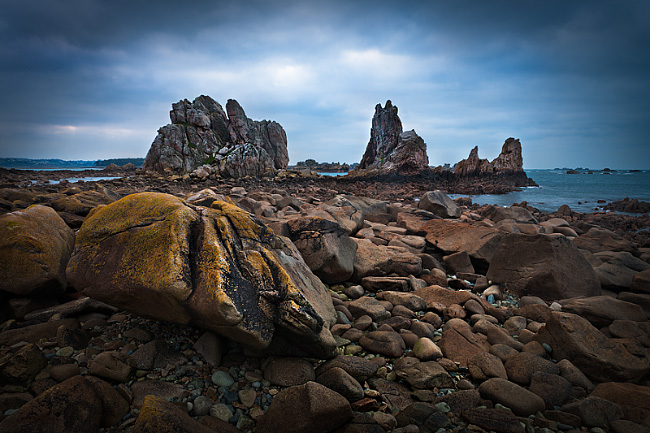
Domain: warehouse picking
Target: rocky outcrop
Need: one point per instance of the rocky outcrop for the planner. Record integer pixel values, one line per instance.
(509, 161)
(500, 175)
(390, 149)
(227, 142)
(219, 268)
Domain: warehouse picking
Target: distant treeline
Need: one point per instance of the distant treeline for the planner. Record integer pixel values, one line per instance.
(119, 161)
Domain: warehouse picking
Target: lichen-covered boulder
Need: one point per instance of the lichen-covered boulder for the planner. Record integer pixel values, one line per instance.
(35, 245)
(219, 268)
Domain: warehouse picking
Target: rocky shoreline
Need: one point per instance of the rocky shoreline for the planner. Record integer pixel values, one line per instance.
(441, 315)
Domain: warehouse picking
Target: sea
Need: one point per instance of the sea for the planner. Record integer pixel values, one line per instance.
(581, 192)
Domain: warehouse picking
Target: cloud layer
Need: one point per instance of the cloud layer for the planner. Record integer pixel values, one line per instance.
(87, 79)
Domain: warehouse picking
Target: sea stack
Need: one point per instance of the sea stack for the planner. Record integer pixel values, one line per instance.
(391, 150)
(206, 139)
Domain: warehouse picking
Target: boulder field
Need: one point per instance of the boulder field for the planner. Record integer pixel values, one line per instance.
(146, 305)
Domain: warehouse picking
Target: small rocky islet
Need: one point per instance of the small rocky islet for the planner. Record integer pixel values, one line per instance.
(190, 298)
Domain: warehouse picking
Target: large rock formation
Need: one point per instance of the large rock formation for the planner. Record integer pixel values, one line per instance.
(228, 142)
(390, 149)
(508, 162)
(219, 268)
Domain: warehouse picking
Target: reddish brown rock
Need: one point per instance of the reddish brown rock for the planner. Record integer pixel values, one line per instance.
(35, 246)
(459, 343)
(314, 408)
(601, 359)
(451, 236)
(550, 267)
(75, 405)
(384, 343)
(159, 415)
(633, 399)
(601, 311)
(520, 400)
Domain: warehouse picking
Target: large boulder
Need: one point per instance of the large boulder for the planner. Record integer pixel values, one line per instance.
(202, 132)
(77, 405)
(35, 246)
(598, 357)
(547, 266)
(603, 310)
(219, 268)
(326, 248)
(390, 149)
(438, 203)
(308, 408)
(453, 236)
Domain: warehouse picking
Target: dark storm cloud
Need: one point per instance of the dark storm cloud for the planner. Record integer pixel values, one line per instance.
(97, 77)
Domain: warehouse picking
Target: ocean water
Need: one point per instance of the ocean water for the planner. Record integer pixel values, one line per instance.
(85, 179)
(580, 191)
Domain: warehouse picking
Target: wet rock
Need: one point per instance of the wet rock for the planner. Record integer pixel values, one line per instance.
(224, 268)
(314, 408)
(520, 400)
(35, 246)
(550, 267)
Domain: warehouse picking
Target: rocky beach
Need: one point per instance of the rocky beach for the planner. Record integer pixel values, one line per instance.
(216, 291)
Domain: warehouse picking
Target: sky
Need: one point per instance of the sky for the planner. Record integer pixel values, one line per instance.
(95, 79)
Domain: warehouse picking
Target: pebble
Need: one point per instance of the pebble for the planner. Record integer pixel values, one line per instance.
(222, 378)
(65, 352)
(221, 411)
(202, 405)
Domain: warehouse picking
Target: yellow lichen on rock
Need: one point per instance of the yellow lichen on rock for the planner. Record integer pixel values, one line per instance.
(133, 254)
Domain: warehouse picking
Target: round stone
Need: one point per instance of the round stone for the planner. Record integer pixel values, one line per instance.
(221, 411)
(65, 352)
(222, 378)
(202, 405)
